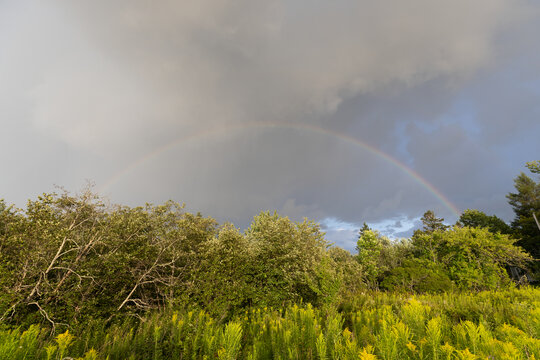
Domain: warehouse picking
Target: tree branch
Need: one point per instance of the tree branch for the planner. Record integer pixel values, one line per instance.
(45, 315)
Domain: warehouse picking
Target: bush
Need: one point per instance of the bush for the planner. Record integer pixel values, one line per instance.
(418, 276)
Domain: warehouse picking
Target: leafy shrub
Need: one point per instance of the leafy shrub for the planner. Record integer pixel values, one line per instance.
(419, 276)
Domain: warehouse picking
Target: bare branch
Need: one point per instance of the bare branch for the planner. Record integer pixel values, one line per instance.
(46, 316)
(61, 248)
(11, 311)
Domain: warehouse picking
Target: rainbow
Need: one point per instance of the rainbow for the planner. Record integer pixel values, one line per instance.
(220, 130)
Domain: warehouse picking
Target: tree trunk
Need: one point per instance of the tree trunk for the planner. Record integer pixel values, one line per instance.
(535, 219)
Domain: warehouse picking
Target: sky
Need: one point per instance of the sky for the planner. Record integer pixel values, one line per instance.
(342, 111)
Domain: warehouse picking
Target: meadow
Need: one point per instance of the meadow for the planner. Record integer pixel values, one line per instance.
(498, 324)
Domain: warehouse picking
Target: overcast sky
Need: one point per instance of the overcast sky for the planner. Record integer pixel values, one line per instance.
(340, 111)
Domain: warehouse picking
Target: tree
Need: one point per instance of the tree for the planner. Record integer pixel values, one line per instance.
(349, 270)
(155, 250)
(54, 239)
(423, 242)
(526, 204)
(432, 223)
(369, 247)
(474, 258)
(222, 282)
(363, 229)
(534, 166)
(476, 218)
(291, 261)
(67, 258)
(11, 259)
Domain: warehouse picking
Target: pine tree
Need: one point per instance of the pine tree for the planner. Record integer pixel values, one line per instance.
(526, 205)
(363, 230)
(432, 223)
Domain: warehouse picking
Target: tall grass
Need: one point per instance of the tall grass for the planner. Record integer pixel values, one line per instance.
(488, 325)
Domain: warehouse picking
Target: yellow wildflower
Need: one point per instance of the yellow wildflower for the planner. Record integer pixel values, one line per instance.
(411, 346)
(366, 353)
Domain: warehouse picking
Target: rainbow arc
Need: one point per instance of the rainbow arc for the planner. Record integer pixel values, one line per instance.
(220, 130)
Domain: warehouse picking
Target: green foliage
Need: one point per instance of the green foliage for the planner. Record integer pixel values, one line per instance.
(12, 252)
(72, 262)
(17, 344)
(473, 258)
(432, 223)
(223, 277)
(230, 344)
(423, 240)
(418, 276)
(290, 262)
(348, 269)
(526, 204)
(534, 166)
(363, 229)
(68, 259)
(71, 258)
(476, 218)
(369, 247)
(485, 325)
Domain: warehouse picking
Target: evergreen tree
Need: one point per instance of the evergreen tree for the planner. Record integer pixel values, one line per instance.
(526, 204)
(432, 223)
(363, 230)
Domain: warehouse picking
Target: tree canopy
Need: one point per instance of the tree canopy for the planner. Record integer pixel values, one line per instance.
(476, 218)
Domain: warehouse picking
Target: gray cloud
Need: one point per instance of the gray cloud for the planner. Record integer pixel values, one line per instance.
(93, 87)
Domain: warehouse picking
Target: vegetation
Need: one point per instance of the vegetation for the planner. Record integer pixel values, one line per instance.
(476, 218)
(526, 205)
(493, 324)
(82, 278)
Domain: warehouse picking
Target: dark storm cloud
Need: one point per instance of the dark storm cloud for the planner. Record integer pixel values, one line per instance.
(90, 88)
